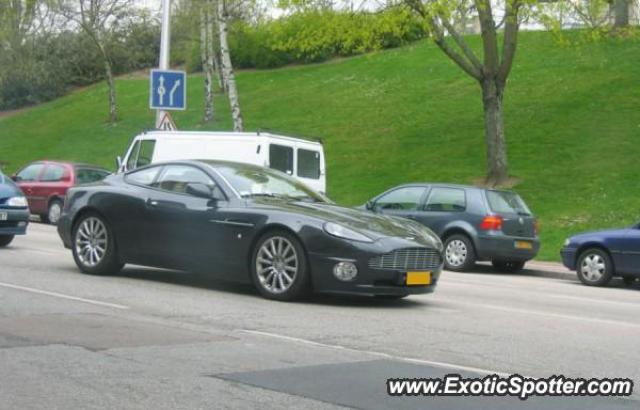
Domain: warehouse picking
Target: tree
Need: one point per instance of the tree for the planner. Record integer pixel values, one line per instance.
(227, 68)
(491, 71)
(206, 55)
(98, 19)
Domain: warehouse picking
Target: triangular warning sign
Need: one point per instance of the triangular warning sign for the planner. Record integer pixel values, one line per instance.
(166, 123)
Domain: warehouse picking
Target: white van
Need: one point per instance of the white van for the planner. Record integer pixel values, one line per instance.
(297, 157)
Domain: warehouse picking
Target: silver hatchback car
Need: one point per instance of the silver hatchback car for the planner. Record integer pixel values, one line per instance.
(475, 224)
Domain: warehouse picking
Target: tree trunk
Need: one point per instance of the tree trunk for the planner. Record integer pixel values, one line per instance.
(204, 58)
(221, 82)
(621, 13)
(113, 115)
(211, 52)
(227, 69)
(492, 94)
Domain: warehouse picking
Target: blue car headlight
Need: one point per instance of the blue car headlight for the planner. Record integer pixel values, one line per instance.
(343, 232)
(17, 202)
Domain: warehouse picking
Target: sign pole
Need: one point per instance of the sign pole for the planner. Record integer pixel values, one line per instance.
(165, 38)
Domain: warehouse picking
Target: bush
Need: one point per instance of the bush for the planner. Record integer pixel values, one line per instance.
(317, 35)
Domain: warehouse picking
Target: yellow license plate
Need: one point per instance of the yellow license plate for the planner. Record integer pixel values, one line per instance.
(418, 278)
(524, 245)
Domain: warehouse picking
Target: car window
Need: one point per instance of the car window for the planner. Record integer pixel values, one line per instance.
(30, 173)
(308, 164)
(281, 158)
(175, 178)
(447, 200)
(53, 173)
(505, 202)
(133, 156)
(406, 199)
(88, 175)
(143, 177)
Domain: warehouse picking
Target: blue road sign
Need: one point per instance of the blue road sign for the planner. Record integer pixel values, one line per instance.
(168, 90)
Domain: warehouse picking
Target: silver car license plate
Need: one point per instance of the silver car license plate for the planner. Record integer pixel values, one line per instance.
(3, 216)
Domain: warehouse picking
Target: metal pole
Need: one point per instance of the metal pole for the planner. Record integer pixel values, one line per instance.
(165, 40)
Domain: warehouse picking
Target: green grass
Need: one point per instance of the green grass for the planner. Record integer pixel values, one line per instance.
(572, 123)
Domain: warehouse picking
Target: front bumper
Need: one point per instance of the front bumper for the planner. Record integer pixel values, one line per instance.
(501, 247)
(64, 230)
(369, 281)
(568, 257)
(16, 223)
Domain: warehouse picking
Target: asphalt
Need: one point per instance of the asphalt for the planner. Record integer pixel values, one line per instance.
(159, 339)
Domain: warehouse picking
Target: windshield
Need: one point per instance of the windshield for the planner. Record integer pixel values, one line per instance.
(505, 202)
(253, 182)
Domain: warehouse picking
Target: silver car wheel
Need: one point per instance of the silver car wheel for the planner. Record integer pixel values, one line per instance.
(55, 210)
(456, 253)
(91, 241)
(593, 267)
(277, 264)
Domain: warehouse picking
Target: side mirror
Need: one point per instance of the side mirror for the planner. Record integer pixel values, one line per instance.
(15, 178)
(199, 190)
(370, 205)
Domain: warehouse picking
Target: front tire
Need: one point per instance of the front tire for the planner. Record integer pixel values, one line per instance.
(459, 254)
(94, 246)
(508, 266)
(279, 267)
(5, 240)
(595, 267)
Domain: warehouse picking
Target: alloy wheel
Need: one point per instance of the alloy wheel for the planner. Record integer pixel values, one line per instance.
(456, 253)
(91, 241)
(593, 267)
(277, 264)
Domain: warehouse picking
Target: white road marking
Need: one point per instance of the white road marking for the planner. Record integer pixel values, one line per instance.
(548, 314)
(374, 353)
(63, 296)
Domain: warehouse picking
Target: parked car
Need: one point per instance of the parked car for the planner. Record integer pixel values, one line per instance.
(45, 184)
(475, 224)
(14, 211)
(248, 224)
(300, 158)
(599, 256)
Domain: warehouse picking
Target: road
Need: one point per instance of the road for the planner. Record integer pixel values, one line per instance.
(170, 340)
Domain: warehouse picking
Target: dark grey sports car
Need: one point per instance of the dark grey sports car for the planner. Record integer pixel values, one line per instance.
(247, 224)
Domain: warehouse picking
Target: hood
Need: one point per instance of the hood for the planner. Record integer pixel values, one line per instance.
(600, 234)
(8, 188)
(374, 226)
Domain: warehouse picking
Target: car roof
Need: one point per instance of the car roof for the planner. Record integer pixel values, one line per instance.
(161, 134)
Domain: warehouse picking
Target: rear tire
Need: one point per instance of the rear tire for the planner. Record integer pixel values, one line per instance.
(508, 266)
(94, 247)
(459, 254)
(594, 267)
(5, 240)
(54, 212)
(279, 267)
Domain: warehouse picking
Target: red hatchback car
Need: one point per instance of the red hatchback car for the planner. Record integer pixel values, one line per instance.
(45, 184)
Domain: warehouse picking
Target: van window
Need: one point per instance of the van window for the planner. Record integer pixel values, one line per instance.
(141, 154)
(447, 200)
(308, 164)
(281, 158)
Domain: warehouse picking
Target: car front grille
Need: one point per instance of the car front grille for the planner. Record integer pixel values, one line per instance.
(407, 259)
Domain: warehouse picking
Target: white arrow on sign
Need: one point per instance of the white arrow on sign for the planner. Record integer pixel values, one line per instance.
(172, 92)
(161, 90)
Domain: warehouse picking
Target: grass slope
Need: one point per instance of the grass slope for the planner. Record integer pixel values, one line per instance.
(572, 123)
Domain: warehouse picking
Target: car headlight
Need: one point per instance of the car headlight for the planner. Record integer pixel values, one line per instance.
(17, 202)
(345, 233)
(567, 242)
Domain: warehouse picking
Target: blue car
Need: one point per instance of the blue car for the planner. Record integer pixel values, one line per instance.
(14, 211)
(599, 256)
